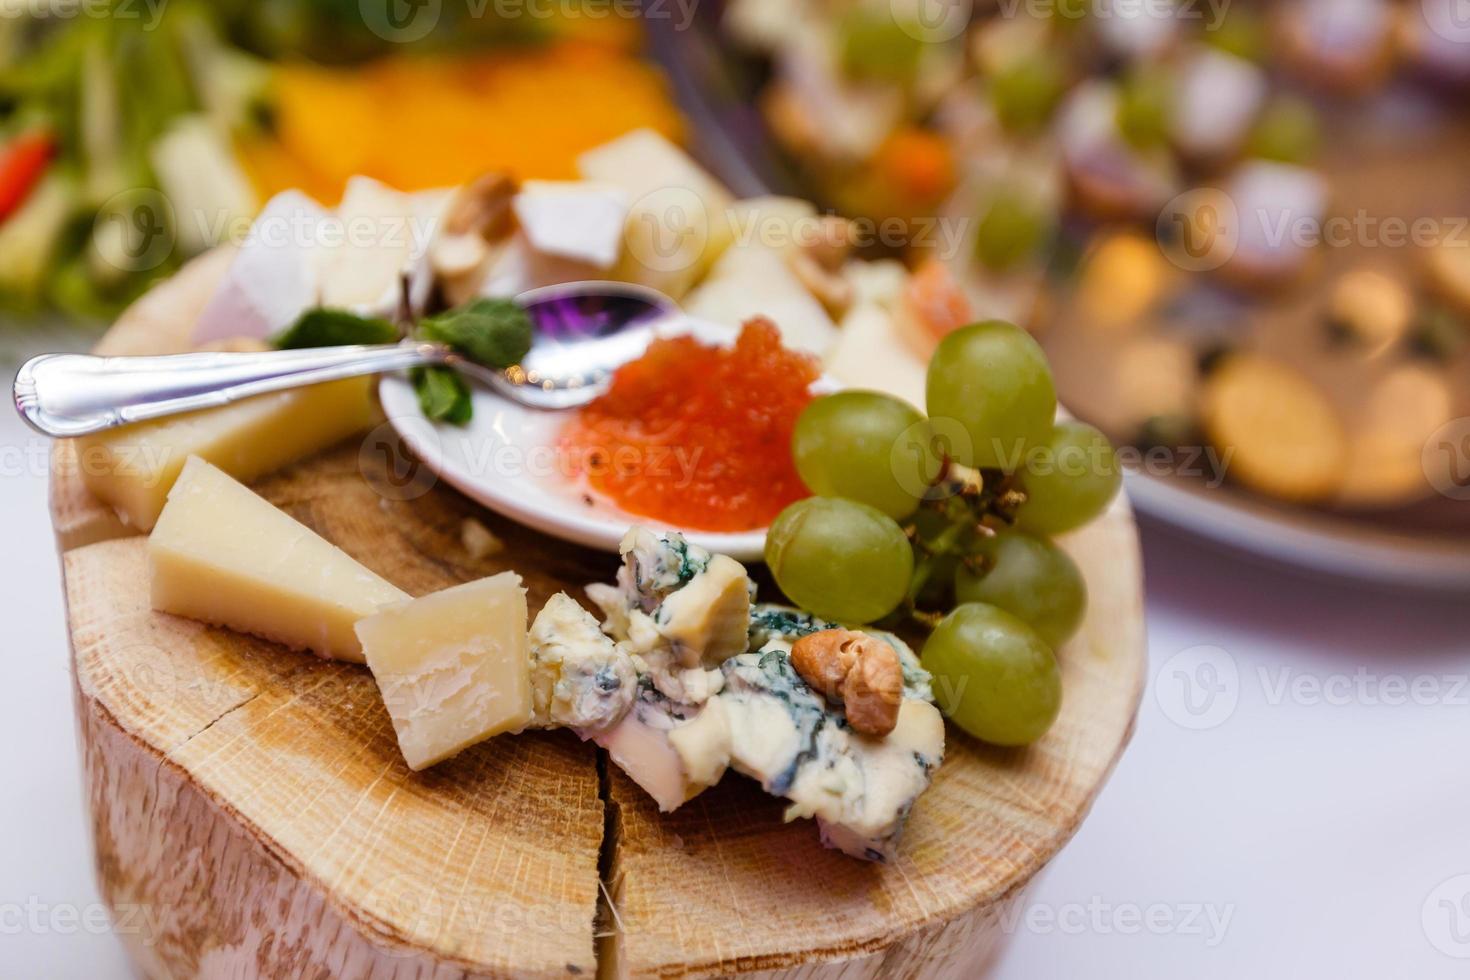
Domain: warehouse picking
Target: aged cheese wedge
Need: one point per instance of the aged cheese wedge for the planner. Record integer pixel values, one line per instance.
(381, 248)
(869, 353)
(454, 666)
(676, 225)
(754, 280)
(133, 468)
(223, 555)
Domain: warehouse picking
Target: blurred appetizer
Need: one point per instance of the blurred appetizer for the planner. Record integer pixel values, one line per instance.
(129, 143)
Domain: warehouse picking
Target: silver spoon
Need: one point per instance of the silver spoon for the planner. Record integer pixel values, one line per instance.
(583, 332)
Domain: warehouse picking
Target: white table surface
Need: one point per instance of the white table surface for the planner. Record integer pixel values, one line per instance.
(1296, 802)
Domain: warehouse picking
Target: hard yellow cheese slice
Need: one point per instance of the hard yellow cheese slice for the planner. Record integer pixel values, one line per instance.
(454, 666)
(133, 468)
(223, 555)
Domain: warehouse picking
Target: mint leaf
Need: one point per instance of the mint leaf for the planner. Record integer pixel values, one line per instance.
(324, 327)
(492, 332)
(443, 395)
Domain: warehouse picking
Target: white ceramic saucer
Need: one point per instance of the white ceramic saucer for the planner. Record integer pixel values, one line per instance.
(506, 459)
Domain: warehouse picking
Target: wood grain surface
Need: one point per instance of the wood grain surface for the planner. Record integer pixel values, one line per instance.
(252, 815)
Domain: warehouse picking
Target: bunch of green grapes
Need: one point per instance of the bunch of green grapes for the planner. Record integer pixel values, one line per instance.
(947, 520)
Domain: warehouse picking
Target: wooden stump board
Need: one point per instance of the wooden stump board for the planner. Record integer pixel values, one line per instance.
(252, 816)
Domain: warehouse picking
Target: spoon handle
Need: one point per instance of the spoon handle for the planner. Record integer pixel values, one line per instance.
(76, 394)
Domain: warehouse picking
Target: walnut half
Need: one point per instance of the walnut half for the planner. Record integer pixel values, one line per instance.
(858, 671)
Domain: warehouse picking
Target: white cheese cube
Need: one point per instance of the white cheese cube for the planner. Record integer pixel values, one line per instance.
(276, 275)
(574, 219)
(222, 555)
(453, 666)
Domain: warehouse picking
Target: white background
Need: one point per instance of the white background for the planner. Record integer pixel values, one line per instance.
(1302, 833)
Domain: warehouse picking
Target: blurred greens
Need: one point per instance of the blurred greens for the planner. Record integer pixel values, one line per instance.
(115, 119)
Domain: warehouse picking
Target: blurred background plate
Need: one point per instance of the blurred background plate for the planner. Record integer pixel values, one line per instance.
(1393, 150)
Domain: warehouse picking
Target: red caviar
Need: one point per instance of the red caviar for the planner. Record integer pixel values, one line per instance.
(699, 436)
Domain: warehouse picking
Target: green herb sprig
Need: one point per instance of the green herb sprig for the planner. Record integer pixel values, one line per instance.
(493, 332)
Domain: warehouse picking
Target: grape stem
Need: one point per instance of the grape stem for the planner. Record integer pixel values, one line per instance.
(960, 507)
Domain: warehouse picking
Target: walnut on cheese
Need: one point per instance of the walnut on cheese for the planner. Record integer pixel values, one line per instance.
(858, 671)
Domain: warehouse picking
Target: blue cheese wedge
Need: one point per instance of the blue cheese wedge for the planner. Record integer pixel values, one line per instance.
(701, 710)
(580, 679)
(795, 744)
(675, 604)
(639, 745)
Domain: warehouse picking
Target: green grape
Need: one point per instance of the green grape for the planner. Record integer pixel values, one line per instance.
(993, 379)
(1143, 107)
(1069, 479)
(1030, 578)
(853, 444)
(1025, 93)
(840, 559)
(993, 676)
(1012, 230)
(1242, 34)
(1287, 131)
(874, 45)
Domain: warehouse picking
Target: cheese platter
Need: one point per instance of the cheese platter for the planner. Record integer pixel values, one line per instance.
(517, 754)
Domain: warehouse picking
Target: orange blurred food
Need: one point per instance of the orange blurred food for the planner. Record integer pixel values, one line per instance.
(699, 436)
(421, 122)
